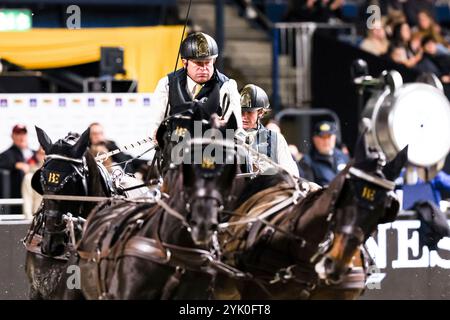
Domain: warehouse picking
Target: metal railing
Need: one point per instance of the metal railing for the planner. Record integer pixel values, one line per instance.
(293, 42)
(11, 202)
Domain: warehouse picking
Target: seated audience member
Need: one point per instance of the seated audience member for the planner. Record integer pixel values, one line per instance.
(17, 160)
(427, 27)
(100, 148)
(401, 37)
(411, 9)
(398, 54)
(324, 161)
(31, 199)
(97, 136)
(376, 41)
(432, 62)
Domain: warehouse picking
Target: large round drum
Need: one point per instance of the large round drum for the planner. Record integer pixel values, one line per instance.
(417, 115)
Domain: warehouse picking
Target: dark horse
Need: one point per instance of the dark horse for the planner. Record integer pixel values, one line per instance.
(307, 245)
(71, 171)
(162, 249)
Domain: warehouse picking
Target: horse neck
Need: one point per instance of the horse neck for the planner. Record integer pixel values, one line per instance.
(243, 189)
(169, 228)
(170, 180)
(94, 183)
(316, 208)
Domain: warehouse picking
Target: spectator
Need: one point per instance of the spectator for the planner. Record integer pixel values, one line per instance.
(401, 37)
(97, 136)
(416, 44)
(314, 10)
(17, 160)
(31, 199)
(432, 62)
(304, 171)
(398, 54)
(250, 12)
(100, 148)
(427, 27)
(324, 161)
(389, 9)
(376, 41)
(413, 7)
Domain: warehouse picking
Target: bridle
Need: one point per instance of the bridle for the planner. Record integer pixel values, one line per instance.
(63, 223)
(353, 231)
(80, 172)
(205, 193)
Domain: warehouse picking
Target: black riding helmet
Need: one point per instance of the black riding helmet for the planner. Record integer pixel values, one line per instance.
(254, 98)
(199, 46)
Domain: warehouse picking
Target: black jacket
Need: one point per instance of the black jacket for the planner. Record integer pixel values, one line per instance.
(8, 160)
(321, 168)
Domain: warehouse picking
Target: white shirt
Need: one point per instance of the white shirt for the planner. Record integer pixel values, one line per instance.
(161, 95)
(190, 86)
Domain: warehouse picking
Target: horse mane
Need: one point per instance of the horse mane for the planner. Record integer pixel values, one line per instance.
(94, 180)
(261, 183)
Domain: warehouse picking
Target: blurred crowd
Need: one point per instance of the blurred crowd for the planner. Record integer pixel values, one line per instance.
(415, 41)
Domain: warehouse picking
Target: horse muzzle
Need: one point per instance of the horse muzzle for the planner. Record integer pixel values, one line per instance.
(337, 261)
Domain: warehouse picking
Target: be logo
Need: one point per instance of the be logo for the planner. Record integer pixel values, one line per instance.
(74, 19)
(53, 177)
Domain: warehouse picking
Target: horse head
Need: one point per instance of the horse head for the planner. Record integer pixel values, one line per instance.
(174, 128)
(362, 198)
(209, 167)
(64, 172)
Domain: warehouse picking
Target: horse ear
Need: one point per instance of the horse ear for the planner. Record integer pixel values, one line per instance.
(360, 149)
(393, 168)
(44, 140)
(162, 129)
(81, 145)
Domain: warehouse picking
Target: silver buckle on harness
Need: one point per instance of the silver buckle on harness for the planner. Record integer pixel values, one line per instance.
(283, 275)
